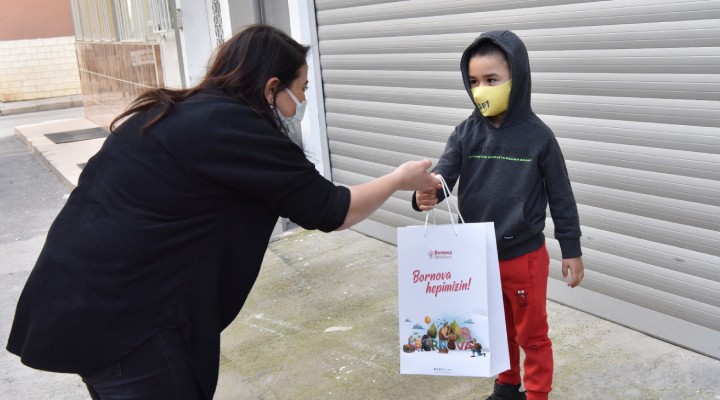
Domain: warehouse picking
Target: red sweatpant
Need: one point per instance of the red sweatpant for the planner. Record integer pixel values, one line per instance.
(524, 286)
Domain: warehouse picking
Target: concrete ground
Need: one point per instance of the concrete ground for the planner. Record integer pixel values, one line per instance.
(322, 320)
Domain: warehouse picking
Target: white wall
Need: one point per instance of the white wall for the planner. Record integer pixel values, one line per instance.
(303, 29)
(196, 39)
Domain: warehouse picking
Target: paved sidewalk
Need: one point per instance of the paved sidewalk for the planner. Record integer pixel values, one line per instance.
(36, 118)
(321, 321)
(66, 160)
(31, 106)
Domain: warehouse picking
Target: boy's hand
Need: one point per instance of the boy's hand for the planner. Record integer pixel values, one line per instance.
(427, 199)
(577, 269)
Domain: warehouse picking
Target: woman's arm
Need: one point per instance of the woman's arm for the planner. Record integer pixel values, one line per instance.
(368, 197)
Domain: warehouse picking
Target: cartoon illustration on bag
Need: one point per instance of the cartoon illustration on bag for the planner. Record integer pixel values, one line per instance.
(451, 336)
(476, 348)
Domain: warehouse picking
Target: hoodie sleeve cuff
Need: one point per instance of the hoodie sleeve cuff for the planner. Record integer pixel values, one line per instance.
(414, 203)
(440, 195)
(570, 248)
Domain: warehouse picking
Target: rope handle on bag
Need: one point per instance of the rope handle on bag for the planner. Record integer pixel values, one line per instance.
(450, 200)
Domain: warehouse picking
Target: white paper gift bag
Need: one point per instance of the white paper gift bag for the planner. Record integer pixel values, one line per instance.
(452, 320)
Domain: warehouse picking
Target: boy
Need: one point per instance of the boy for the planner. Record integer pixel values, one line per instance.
(510, 167)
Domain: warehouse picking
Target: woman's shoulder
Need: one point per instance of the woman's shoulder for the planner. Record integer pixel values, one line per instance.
(207, 121)
(207, 101)
(206, 110)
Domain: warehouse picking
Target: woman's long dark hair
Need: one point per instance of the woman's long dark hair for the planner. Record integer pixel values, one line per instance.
(240, 69)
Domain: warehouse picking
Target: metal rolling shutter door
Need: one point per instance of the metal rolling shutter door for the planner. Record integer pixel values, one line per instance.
(631, 89)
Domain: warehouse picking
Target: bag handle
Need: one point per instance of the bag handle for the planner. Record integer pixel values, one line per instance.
(450, 199)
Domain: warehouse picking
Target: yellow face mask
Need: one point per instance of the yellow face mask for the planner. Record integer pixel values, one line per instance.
(492, 100)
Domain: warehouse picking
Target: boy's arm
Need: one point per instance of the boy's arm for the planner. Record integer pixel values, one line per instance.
(561, 200)
(563, 211)
(448, 165)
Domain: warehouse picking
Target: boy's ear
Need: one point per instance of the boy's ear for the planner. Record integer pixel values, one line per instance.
(271, 88)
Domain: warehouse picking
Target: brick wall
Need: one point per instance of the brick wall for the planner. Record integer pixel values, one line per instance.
(38, 68)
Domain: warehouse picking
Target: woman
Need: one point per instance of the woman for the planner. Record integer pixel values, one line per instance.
(159, 245)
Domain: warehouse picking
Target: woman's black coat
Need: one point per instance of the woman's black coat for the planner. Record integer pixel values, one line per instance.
(166, 229)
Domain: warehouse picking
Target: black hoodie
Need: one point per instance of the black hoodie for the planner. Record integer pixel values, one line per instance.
(509, 174)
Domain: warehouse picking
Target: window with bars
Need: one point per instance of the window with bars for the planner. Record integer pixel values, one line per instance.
(93, 20)
(160, 16)
(120, 20)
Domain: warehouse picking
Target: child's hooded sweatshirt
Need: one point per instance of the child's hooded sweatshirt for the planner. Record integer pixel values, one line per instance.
(509, 174)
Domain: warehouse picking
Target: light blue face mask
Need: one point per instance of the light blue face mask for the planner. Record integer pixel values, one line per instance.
(292, 124)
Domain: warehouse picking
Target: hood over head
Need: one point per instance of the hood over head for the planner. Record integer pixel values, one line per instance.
(519, 105)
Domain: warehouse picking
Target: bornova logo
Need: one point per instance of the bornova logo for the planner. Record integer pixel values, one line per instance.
(440, 254)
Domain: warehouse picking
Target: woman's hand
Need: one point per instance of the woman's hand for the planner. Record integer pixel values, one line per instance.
(367, 197)
(413, 175)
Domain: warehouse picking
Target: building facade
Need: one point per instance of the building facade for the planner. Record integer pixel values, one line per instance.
(37, 50)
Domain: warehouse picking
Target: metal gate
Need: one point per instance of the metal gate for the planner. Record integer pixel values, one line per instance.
(631, 89)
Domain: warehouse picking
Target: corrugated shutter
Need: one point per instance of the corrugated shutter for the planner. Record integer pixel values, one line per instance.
(631, 89)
